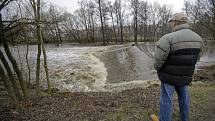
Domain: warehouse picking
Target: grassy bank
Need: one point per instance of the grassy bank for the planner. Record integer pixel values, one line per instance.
(130, 105)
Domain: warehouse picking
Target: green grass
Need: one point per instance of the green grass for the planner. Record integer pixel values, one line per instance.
(202, 107)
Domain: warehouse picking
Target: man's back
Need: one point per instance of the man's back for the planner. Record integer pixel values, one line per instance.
(182, 49)
(183, 38)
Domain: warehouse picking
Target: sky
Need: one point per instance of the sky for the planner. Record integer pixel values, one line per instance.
(72, 5)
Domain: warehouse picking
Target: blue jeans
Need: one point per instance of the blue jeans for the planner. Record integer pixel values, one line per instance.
(166, 102)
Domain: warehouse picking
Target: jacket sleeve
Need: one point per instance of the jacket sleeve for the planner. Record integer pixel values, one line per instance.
(161, 52)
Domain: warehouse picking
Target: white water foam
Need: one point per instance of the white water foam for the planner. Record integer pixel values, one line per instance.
(77, 69)
(85, 74)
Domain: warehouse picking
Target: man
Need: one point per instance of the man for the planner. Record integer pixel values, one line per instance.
(175, 58)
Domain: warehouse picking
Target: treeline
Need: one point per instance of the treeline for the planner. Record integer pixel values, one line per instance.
(96, 21)
(202, 15)
(108, 21)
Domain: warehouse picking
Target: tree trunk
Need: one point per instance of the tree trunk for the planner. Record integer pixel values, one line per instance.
(86, 28)
(121, 27)
(57, 40)
(46, 68)
(59, 34)
(135, 21)
(213, 19)
(105, 30)
(27, 62)
(117, 24)
(93, 29)
(10, 74)
(13, 61)
(39, 38)
(102, 23)
(38, 66)
(8, 87)
(141, 30)
(135, 29)
(114, 28)
(17, 70)
(145, 31)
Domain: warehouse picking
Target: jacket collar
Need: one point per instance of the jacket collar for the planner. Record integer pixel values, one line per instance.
(179, 27)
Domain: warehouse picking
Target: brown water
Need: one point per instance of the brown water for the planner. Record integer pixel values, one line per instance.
(128, 63)
(112, 68)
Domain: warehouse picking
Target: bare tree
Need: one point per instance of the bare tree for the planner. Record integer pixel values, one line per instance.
(11, 76)
(143, 16)
(135, 7)
(165, 14)
(101, 15)
(8, 52)
(56, 17)
(112, 11)
(27, 61)
(203, 13)
(154, 8)
(72, 26)
(119, 15)
(83, 14)
(8, 87)
(36, 5)
(14, 92)
(91, 20)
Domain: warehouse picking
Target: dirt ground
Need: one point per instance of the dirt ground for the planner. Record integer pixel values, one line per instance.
(130, 105)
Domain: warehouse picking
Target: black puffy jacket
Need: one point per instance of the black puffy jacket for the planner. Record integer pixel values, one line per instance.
(176, 56)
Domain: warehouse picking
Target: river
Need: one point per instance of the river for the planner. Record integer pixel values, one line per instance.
(111, 68)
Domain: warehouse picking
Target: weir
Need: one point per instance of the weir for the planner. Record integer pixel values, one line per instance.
(110, 68)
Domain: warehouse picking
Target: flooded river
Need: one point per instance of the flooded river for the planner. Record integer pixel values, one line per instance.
(112, 68)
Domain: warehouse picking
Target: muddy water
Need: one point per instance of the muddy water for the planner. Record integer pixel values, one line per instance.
(208, 57)
(128, 63)
(70, 68)
(112, 68)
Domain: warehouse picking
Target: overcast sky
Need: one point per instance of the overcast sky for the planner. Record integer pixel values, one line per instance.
(72, 5)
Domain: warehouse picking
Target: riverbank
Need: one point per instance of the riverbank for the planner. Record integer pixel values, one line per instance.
(129, 105)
